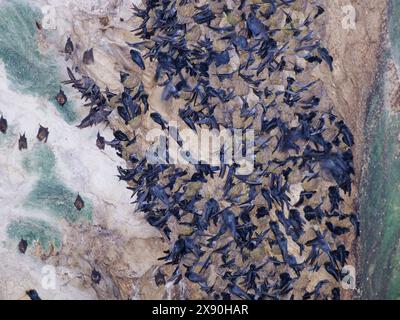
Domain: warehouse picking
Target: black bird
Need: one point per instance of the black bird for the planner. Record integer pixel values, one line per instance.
(221, 58)
(95, 276)
(137, 58)
(194, 277)
(43, 134)
(354, 219)
(120, 136)
(125, 114)
(320, 11)
(79, 203)
(336, 230)
(69, 46)
(348, 137)
(157, 118)
(88, 57)
(22, 246)
(96, 115)
(262, 212)
(100, 141)
(204, 15)
(324, 54)
(32, 294)
(3, 125)
(340, 254)
(169, 91)
(336, 294)
(239, 292)
(38, 25)
(223, 228)
(159, 278)
(254, 25)
(22, 142)
(334, 197)
(61, 98)
(332, 270)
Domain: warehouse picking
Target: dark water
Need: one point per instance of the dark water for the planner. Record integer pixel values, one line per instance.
(380, 202)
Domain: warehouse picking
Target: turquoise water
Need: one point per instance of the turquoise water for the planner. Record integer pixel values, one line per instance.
(29, 70)
(380, 208)
(49, 193)
(380, 202)
(31, 230)
(394, 30)
(36, 73)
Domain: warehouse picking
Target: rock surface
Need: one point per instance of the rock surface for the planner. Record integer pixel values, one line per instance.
(117, 242)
